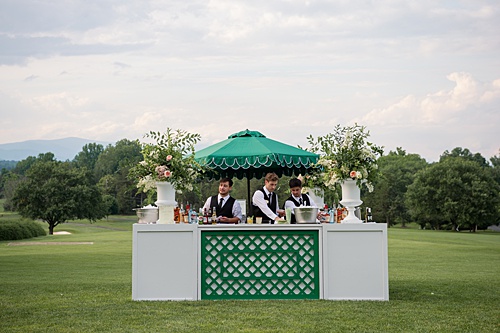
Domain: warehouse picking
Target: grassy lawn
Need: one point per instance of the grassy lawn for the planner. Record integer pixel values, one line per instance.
(439, 282)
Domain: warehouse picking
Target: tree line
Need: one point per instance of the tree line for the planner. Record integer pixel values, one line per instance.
(459, 192)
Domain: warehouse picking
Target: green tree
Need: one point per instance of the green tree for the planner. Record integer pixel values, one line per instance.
(466, 154)
(11, 178)
(88, 156)
(457, 192)
(112, 169)
(495, 173)
(397, 171)
(7, 165)
(495, 160)
(55, 192)
(25, 165)
(10, 182)
(124, 154)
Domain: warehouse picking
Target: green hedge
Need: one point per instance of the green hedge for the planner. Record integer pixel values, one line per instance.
(20, 229)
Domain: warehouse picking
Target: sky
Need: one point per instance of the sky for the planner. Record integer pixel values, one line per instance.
(421, 75)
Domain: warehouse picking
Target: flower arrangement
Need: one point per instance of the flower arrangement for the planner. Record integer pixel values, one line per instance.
(344, 154)
(170, 158)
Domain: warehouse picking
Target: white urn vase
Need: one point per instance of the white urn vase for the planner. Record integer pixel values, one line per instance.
(350, 200)
(166, 202)
(317, 195)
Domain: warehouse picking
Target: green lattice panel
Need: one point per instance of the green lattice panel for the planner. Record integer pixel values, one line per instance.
(259, 264)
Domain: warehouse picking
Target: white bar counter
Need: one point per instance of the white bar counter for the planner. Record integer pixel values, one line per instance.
(260, 261)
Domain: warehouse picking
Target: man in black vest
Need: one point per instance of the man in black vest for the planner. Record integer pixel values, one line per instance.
(265, 201)
(297, 198)
(228, 210)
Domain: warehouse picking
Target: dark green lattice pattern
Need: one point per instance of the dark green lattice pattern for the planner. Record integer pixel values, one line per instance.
(259, 264)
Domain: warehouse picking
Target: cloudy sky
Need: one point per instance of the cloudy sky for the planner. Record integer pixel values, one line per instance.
(422, 75)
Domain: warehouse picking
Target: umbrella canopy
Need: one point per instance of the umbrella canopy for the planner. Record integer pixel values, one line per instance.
(250, 154)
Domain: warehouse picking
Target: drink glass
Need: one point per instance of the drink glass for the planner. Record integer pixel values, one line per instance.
(288, 214)
(249, 220)
(258, 220)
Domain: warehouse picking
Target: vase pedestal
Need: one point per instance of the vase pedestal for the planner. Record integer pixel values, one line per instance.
(350, 200)
(166, 202)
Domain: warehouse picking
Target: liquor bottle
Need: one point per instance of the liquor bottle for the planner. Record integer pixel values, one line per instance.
(187, 218)
(181, 213)
(214, 216)
(333, 215)
(177, 215)
(368, 215)
(325, 215)
(205, 216)
(193, 217)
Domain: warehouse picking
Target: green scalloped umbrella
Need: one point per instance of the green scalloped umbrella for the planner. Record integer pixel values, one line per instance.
(250, 154)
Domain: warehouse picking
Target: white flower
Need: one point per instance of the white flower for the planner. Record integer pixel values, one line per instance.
(345, 153)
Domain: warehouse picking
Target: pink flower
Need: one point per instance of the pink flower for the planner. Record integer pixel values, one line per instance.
(169, 157)
(353, 174)
(168, 173)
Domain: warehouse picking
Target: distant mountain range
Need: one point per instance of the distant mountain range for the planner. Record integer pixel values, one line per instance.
(63, 149)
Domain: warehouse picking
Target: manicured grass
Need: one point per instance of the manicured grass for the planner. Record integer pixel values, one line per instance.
(439, 282)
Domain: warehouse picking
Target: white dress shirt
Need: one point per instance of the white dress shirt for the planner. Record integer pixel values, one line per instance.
(236, 207)
(259, 201)
(290, 204)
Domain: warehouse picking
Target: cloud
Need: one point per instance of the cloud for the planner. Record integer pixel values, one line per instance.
(286, 68)
(443, 106)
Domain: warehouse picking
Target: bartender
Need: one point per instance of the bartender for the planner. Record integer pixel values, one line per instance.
(265, 201)
(227, 209)
(297, 198)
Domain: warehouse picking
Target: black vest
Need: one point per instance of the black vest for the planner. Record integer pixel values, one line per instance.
(271, 203)
(226, 210)
(305, 202)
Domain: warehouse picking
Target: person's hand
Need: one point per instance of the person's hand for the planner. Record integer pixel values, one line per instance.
(281, 212)
(223, 219)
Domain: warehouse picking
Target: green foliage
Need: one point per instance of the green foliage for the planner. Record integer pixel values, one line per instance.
(7, 165)
(112, 169)
(122, 156)
(397, 171)
(56, 192)
(457, 192)
(345, 153)
(465, 154)
(438, 282)
(169, 158)
(20, 229)
(495, 160)
(23, 166)
(88, 156)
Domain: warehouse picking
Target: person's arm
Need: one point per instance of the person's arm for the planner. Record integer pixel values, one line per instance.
(280, 212)
(259, 201)
(236, 212)
(207, 204)
(290, 204)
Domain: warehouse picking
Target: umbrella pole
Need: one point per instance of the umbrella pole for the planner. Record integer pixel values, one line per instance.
(249, 203)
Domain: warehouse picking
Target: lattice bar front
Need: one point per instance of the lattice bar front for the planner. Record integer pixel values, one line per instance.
(260, 264)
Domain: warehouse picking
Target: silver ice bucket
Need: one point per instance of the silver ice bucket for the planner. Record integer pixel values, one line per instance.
(305, 214)
(148, 214)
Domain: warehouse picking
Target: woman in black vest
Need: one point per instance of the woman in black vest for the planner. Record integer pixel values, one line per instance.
(297, 198)
(228, 210)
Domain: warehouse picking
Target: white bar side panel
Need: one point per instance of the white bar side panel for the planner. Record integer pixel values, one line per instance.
(164, 262)
(355, 262)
